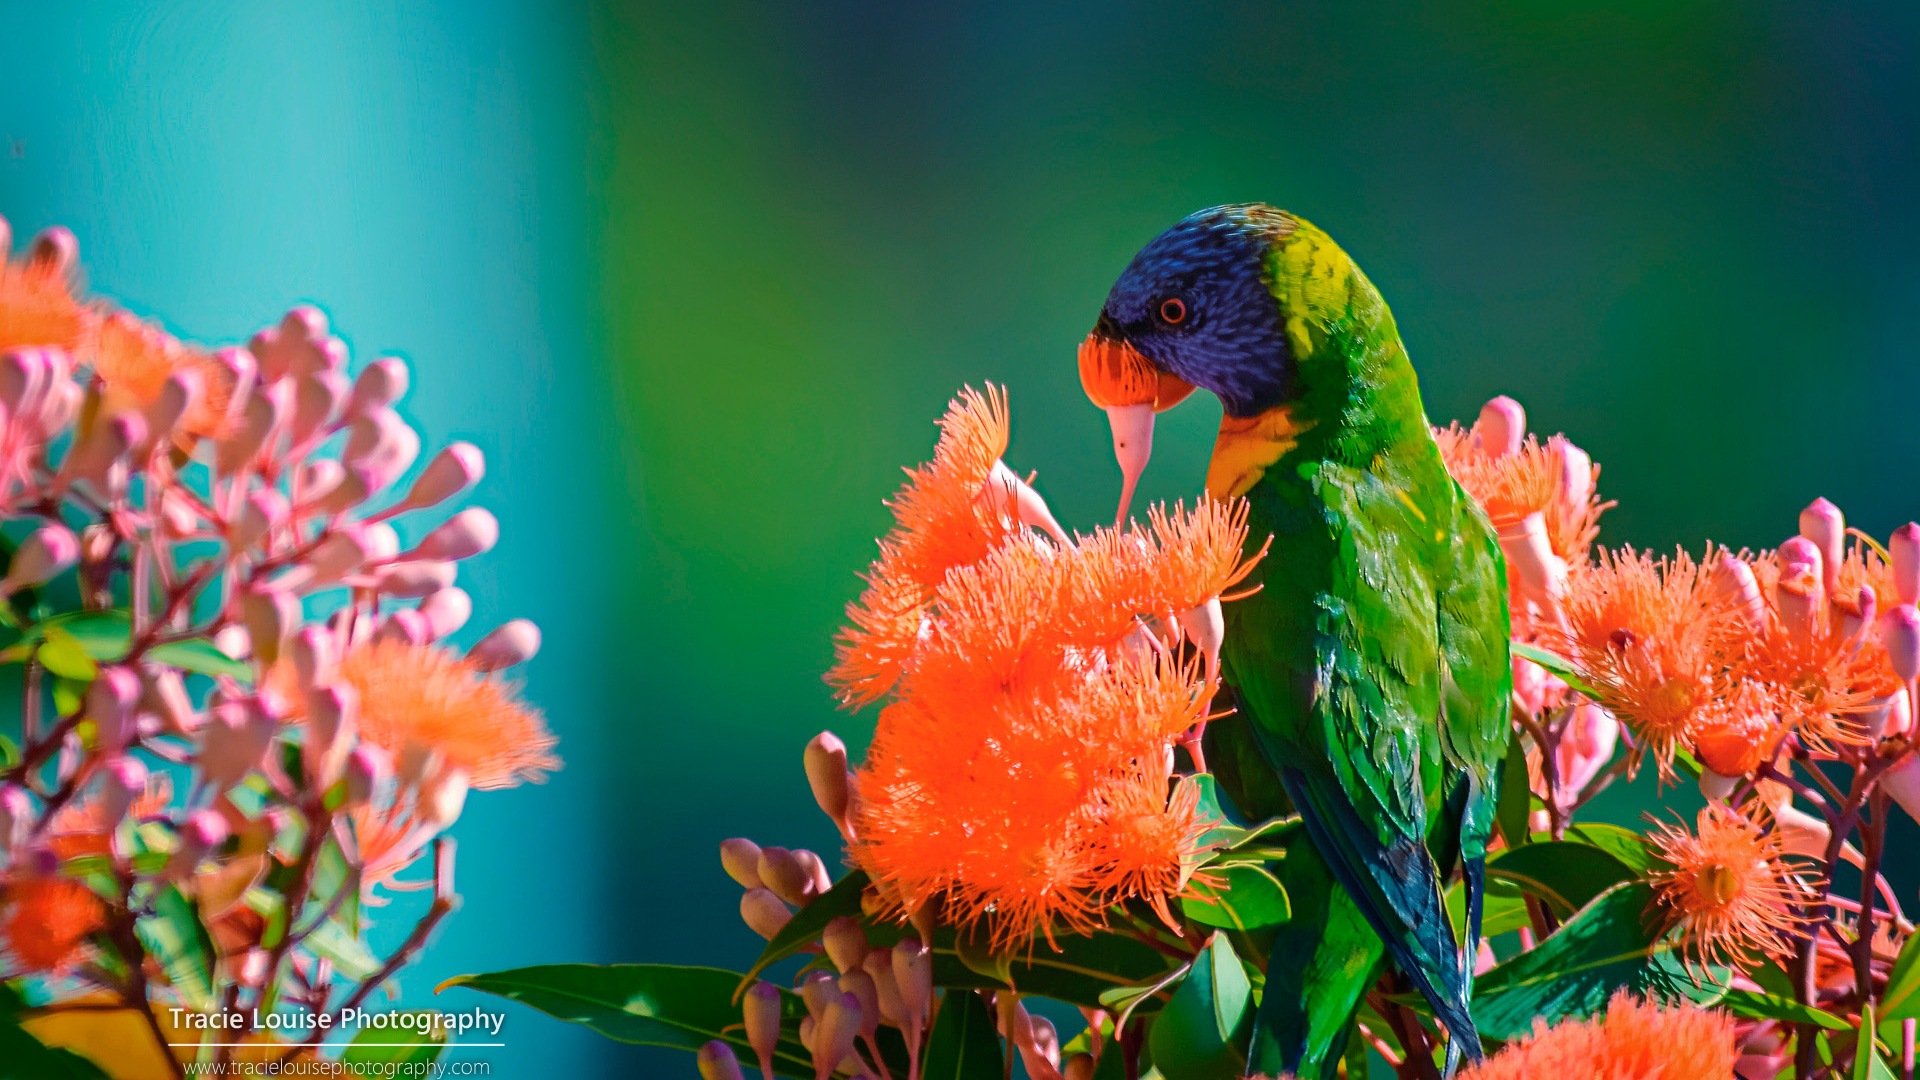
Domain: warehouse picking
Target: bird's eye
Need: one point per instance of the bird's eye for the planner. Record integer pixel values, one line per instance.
(1173, 311)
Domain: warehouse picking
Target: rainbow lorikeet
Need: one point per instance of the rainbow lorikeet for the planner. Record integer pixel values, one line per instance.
(1371, 667)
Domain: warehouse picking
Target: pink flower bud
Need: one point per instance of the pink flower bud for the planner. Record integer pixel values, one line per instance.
(815, 869)
(56, 250)
(111, 700)
(233, 743)
(763, 912)
(1900, 632)
(312, 653)
(786, 876)
(1541, 575)
(511, 643)
(1823, 524)
(353, 489)
(332, 720)
(16, 815)
(62, 404)
(716, 1061)
(443, 796)
(1733, 576)
(315, 480)
(178, 396)
(378, 386)
(45, 553)
(1206, 627)
(24, 377)
(264, 510)
(452, 471)
(740, 858)
(406, 626)
(1078, 1067)
(470, 532)
(878, 965)
(238, 371)
(383, 444)
(834, 1033)
(845, 942)
(122, 780)
(1586, 746)
(1903, 552)
(860, 984)
(913, 974)
(1501, 427)
(234, 641)
(1801, 592)
(340, 554)
(761, 1009)
(260, 419)
(826, 762)
(1007, 494)
(270, 614)
(104, 447)
(298, 347)
(368, 767)
(1576, 472)
(446, 611)
(414, 578)
(200, 834)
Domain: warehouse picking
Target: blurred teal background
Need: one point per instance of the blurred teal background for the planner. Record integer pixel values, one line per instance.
(699, 278)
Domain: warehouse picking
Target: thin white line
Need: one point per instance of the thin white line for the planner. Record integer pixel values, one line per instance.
(338, 1046)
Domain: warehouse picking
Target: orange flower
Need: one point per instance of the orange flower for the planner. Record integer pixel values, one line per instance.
(48, 921)
(135, 359)
(1634, 1041)
(1019, 777)
(1739, 732)
(80, 828)
(1652, 634)
(1554, 480)
(1730, 887)
(426, 698)
(37, 308)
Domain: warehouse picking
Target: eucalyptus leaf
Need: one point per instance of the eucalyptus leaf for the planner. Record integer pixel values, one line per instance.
(1609, 945)
(65, 656)
(649, 1004)
(1247, 897)
(1566, 874)
(349, 954)
(1900, 1000)
(393, 1047)
(1515, 806)
(1203, 1032)
(1623, 844)
(174, 935)
(1755, 1005)
(809, 922)
(1558, 666)
(963, 1044)
(1075, 970)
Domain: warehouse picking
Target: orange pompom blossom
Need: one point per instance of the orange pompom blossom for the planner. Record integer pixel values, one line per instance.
(1729, 887)
(1021, 774)
(1634, 1041)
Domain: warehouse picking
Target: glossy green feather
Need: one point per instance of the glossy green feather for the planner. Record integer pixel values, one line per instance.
(1371, 666)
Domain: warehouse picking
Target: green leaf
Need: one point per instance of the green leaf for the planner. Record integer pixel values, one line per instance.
(974, 947)
(1564, 873)
(201, 657)
(63, 654)
(1754, 1005)
(1608, 945)
(1080, 971)
(1228, 827)
(9, 753)
(25, 1056)
(1867, 1062)
(1249, 898)
(1558, 666)
(175, 936)
(963, 1045)
(376, 1046)
(649, 1004)
(1899, 1001)
(1202, 1033)
(1623, 844)
(1515, 807)
(807, 924)
(349, 954)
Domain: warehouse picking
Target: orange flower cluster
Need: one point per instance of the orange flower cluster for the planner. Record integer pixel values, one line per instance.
(1728, 660)
(133, 359)
(426, 698)
(1730, 887)
(47, 921)
(1021, 769)
(1634, 1041)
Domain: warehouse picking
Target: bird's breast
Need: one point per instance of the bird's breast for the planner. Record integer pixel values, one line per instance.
(1248, 447)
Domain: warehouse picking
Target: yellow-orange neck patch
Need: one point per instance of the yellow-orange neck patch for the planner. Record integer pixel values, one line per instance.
(1248, 446)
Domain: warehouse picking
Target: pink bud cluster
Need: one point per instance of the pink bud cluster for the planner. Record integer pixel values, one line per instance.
(240, 518)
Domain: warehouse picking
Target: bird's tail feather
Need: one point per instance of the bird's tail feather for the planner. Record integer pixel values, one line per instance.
(1398, 890)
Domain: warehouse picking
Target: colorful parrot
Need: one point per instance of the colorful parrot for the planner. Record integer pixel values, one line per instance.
(1371, 668)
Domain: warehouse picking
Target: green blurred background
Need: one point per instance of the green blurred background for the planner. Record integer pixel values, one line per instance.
(699, 278)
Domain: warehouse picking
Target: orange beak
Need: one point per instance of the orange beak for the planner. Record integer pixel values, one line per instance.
(1126, 384)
